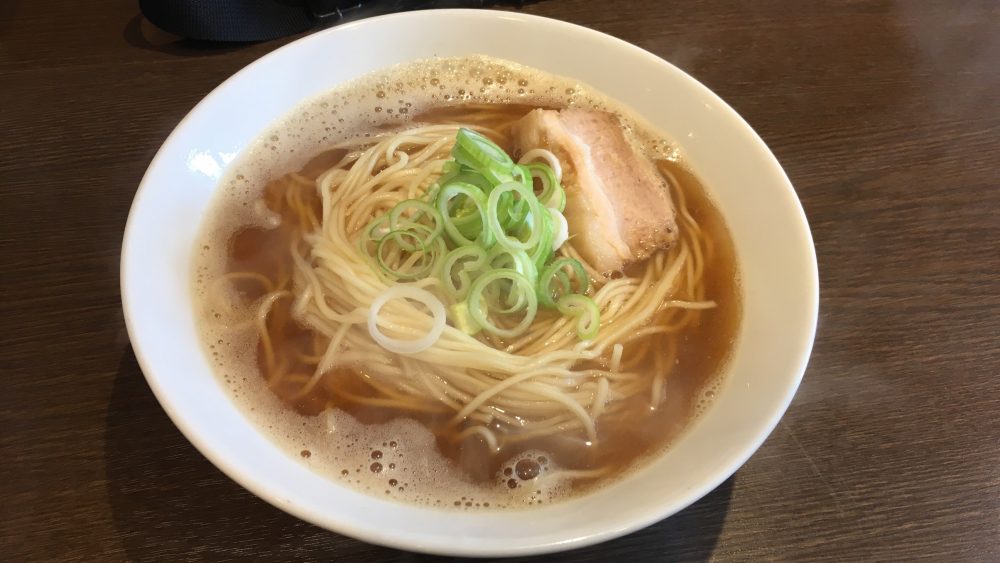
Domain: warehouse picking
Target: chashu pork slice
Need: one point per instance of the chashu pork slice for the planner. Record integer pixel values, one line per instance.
(617, 204)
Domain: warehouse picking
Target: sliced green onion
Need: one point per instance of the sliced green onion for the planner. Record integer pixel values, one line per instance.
(554, 272)
(466, 218)
(542, 251)
(465, 175)
(588, 315)
(560, 228)
(558, 200)
(493, 220)
(426, 255)
(423, 210)
(545, 177)
(369, 238)
(523, 174)
(478, 302)
(495, 257)
(450, 167)
(486, 237)
(552, 195)
(461, 319)
(472, 259)
(520, 262)
(477, 152)
(402, 292)
(517, 260)
(411, 238)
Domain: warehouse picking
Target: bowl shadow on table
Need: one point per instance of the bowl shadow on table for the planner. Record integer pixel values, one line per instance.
(141, 33)
(170, 503)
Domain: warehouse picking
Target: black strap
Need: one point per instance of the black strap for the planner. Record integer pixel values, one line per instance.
(262, 20)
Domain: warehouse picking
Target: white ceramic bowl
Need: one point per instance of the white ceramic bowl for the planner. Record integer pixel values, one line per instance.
(772, 239)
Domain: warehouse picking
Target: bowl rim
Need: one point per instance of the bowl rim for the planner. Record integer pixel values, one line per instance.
(440, 546)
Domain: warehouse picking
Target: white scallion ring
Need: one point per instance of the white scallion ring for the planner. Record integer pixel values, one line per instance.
(549, 158)
(561, 234)
(414, 293)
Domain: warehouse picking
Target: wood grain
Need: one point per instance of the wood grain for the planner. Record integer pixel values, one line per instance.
(886, 116)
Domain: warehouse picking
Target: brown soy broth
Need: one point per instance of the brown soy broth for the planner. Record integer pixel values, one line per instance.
(264, 251)
(491, 115)
(702, 349)
(642, 428)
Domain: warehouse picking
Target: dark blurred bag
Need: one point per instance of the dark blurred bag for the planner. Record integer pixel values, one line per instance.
(261, 20)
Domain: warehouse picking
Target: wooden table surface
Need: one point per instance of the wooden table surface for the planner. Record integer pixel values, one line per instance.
(886, 116)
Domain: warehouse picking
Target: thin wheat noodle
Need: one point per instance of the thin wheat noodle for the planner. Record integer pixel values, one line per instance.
(547, 376)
